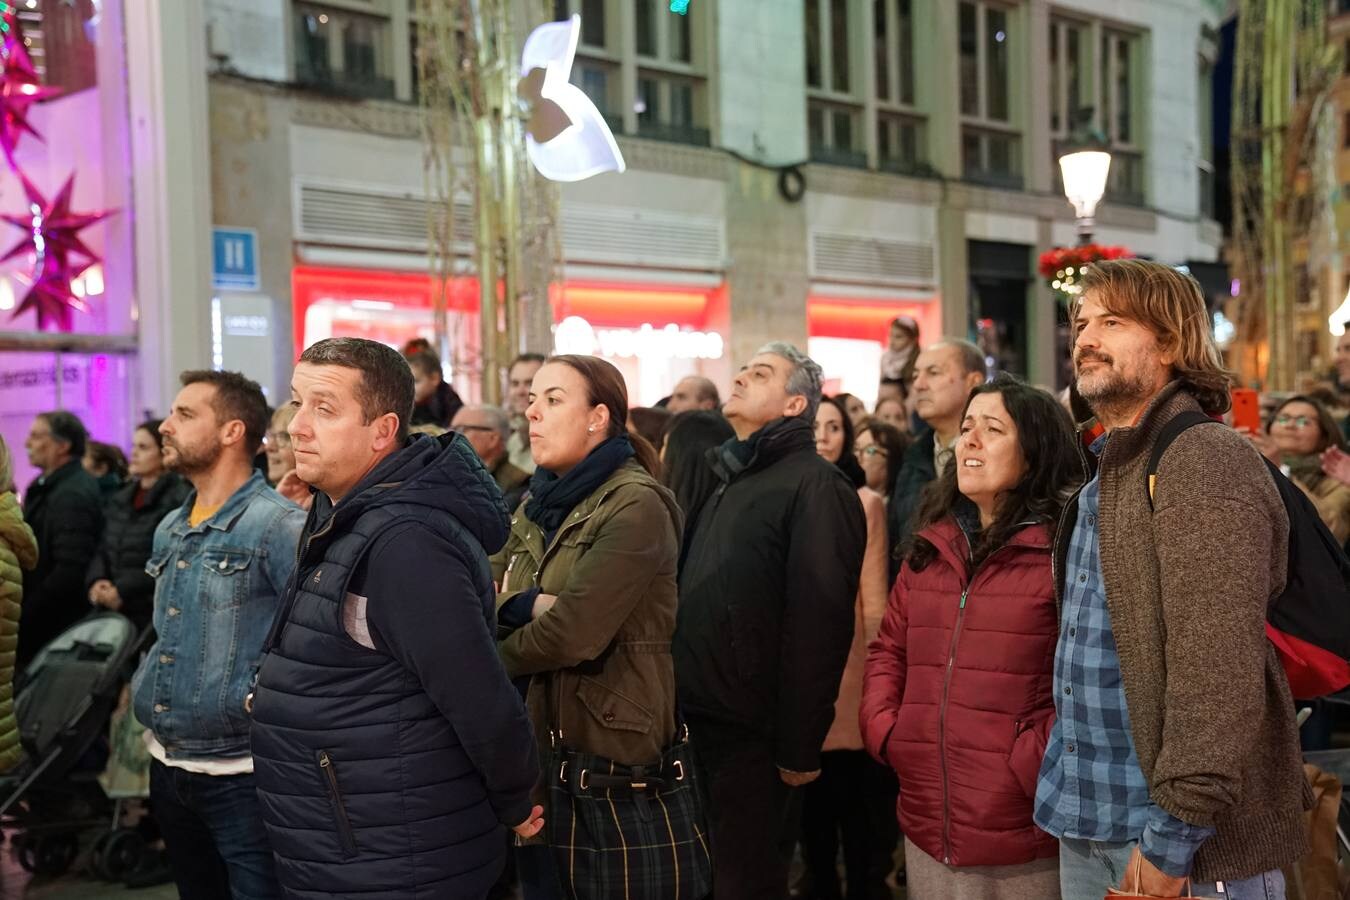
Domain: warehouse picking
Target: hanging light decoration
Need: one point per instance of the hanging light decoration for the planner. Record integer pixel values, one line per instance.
(59, 255)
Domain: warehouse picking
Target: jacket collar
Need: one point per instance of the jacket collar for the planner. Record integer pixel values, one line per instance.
(780, 438)
(56, 476)
(1129, 442)
(631, 472)
(919, 455)
(162, 484)
(953, 544)
(228, 514)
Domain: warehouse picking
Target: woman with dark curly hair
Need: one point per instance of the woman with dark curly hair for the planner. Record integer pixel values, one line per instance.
(957, 691)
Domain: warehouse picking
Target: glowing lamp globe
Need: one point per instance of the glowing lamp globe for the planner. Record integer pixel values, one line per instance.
(1084, 173)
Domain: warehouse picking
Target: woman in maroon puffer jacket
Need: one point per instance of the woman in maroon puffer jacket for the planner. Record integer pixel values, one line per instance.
(956, 692)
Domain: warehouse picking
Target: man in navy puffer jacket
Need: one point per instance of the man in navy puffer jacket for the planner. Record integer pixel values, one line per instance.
(389, 746)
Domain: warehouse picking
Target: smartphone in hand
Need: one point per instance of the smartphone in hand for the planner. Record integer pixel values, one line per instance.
(1246, 410)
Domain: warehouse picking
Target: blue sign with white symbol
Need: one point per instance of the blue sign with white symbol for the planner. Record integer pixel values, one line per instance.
(234, 256)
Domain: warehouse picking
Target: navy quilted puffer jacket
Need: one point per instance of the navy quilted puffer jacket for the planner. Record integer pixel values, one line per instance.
(387, 766)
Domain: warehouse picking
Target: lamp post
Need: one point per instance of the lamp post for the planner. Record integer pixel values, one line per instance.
(1084, 165)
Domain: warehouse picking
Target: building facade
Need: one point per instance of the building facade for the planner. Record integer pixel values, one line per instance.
(802, 170)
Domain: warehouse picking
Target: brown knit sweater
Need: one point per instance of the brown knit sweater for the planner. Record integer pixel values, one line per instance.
(1188, 582)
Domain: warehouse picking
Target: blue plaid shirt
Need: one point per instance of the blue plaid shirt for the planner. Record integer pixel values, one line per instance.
(1091, 786)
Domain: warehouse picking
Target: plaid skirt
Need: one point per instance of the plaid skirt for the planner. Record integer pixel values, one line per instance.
(635, 833)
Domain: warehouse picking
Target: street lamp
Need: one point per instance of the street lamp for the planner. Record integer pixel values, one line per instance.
(1084, 165)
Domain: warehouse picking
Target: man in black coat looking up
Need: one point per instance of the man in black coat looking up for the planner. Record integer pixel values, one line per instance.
(766, 619)
(65, 510)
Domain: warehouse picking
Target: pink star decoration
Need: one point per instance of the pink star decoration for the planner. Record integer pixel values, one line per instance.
(53, 239)
(20, 86)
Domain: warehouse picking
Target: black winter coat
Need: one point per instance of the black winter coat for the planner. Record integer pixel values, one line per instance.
(767, 594)
(128, 534)
(439, 409)
(386, 767)
(907, 495)
(65, 511)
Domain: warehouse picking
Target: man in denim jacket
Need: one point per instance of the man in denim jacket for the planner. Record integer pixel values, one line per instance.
(221, 562)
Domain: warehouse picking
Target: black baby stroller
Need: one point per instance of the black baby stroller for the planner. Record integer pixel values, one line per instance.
(63, 706)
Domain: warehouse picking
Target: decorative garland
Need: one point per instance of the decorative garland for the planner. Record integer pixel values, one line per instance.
(1063, 267)
(52, 239)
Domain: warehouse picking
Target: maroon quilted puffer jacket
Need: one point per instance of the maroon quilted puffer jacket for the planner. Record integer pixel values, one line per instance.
(957, 697)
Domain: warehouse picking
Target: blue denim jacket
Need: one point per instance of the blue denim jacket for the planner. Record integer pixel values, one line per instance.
(217, 589)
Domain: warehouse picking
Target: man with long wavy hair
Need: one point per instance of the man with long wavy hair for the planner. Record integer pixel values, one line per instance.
(1174, 755)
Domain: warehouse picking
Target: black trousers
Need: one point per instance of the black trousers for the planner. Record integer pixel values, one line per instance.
(752, 814)
(853, 799)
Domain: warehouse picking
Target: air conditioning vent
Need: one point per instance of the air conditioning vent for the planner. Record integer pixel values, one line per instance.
(626, 236)
(366, 218)
(863, 258)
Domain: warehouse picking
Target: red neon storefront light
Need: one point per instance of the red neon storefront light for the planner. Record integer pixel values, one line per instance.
(620, 305)
(312, 284)
(870, 320)
(605, 304)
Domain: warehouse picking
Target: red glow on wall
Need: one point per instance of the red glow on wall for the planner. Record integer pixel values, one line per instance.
(603, 304)
(870, 320)
(620, 305)
(312, 284)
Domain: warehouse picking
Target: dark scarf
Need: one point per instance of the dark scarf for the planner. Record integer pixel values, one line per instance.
(552, 498)
(736, 455)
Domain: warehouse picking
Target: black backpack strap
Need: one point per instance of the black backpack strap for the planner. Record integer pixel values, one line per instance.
(1170, 432)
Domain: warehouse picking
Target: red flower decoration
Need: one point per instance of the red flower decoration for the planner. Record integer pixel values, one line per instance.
(1060, 266)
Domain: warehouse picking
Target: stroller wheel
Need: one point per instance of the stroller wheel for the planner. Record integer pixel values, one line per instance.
(119, 854)
(96, 855)
(48, 855)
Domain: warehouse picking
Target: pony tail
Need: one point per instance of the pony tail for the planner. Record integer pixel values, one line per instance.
(646, 454)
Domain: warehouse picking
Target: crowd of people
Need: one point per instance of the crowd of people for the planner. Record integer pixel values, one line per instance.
(650, 653)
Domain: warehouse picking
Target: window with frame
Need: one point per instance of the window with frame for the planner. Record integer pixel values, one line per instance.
(834, 106)
(1205, 125)
(900, 137)
(1119, 119)
(1098, 86)
(991, 144)
(461, 48)
(343, 51)
(670, 97)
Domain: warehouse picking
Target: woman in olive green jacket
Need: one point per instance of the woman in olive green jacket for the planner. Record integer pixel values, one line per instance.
(587, 582)
(18, 551)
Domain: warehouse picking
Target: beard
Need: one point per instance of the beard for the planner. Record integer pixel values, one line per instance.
(191, 459)
(1108, 388)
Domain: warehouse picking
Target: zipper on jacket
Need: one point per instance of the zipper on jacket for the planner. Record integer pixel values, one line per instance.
(562, 530)
(942, 731)
(344, 825)
(292, 589)
(946, 690)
